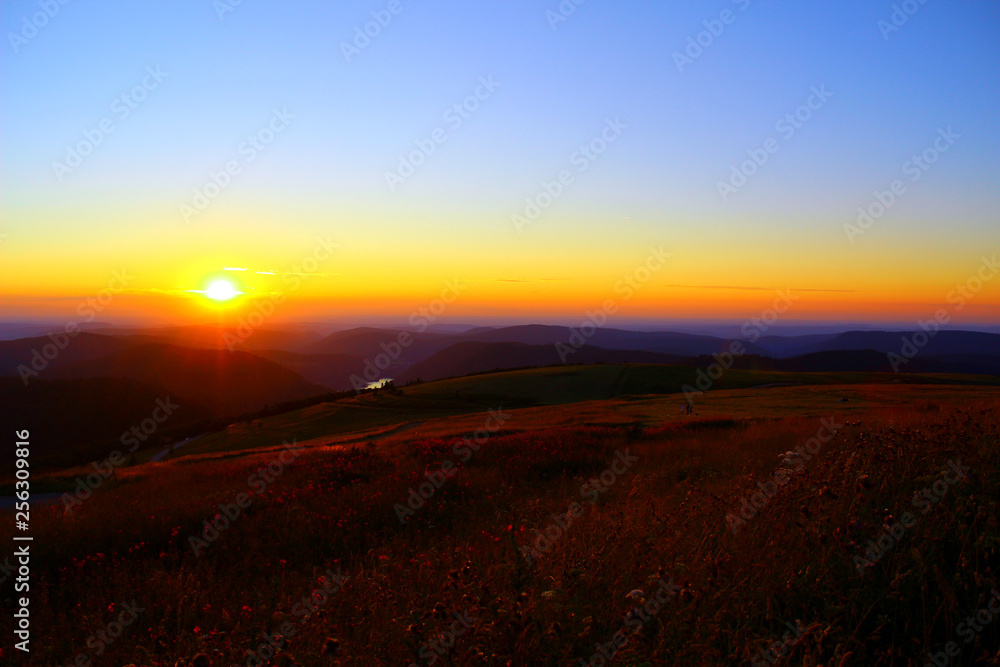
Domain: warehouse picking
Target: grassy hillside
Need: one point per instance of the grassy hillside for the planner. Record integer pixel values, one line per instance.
(83, 419)
(228, 383)
(552, 544)
(554, 386)
(567, 384)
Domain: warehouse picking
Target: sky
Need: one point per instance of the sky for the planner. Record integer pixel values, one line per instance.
(527, 160)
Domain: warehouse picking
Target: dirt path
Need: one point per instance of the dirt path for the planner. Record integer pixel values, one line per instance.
(378, 436)
(159, 455)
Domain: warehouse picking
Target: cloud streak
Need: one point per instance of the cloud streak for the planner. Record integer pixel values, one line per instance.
(757, 289)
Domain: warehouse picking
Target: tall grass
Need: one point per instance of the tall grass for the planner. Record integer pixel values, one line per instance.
(662, 519)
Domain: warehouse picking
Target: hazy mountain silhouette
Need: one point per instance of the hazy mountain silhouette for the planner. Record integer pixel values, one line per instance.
(330, 370)
(81, 347)
(476, 357)
(790, 346)
(214, 337)
(870, 361)
(370, 342)
(942, 342)
(229, 383)
(89, 413)
(232, 383)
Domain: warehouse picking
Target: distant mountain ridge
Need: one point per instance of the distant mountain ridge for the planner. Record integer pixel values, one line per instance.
(941, 342)
(82, 380)
(477, 357)
(369, 342)
(303, 364)
(228, 383)
(90, 415)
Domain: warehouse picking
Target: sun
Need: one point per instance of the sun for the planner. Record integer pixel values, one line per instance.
(221, 290)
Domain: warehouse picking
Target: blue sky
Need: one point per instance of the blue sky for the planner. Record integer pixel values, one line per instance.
(685, 129)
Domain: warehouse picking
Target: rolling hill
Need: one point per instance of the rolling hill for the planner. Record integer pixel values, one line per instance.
(369, 342)
(214, 337)
(88, 415)
(228, 383)
(476, 357)
(330, 370)
(80, 348)
(941, 343)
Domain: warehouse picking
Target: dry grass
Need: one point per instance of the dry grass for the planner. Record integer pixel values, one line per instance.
(665, 517)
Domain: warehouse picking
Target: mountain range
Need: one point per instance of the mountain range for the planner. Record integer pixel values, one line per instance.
(273, 366)
(331, 360)
(94, 385)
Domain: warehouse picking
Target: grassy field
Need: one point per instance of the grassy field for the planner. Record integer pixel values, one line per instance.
(569, 384)
(565, 385)
(565, 396)
(567, 530)
(599, 394)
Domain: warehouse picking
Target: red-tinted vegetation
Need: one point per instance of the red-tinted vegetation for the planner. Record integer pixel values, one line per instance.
(662, 519)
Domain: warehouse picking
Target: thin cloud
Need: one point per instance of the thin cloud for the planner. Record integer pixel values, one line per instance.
(154, 290)
(272, 272)
(758, 289)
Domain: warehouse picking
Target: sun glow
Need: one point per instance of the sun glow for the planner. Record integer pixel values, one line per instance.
(221, 290)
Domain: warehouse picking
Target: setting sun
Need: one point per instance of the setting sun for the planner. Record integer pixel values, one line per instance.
(221, 290)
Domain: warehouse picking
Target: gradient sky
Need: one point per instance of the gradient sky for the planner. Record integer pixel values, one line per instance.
(656, 185)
